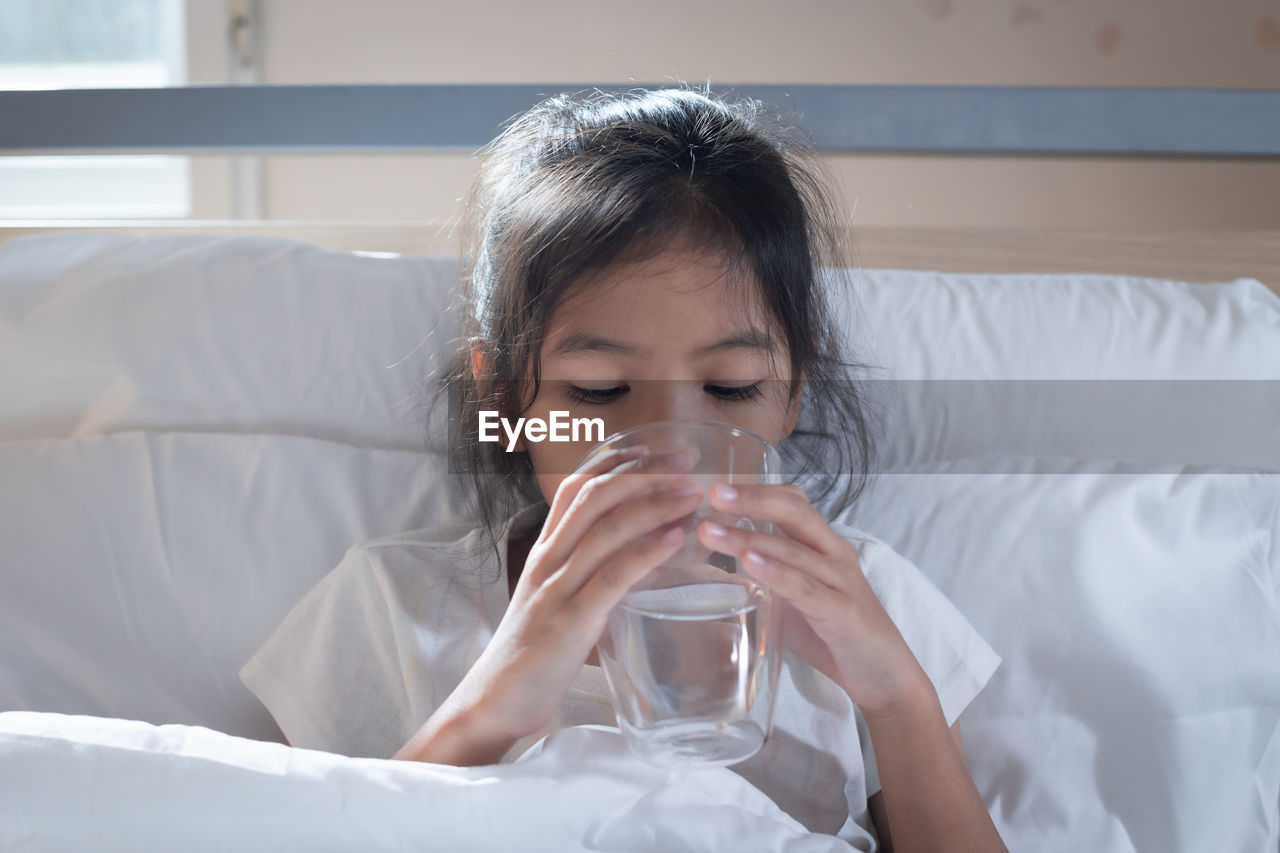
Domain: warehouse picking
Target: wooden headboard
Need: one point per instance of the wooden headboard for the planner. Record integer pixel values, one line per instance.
(1176, 255)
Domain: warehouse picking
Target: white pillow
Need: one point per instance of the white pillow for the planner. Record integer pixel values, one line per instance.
(102, 332)
(935, 325)
(1137, 706)
(109, 332)
(1161, 373)
(141, 570)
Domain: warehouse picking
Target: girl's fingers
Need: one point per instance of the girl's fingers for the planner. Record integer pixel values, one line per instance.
(813, 598)
(569, 486)
(623, 526)
(786, 506)
(610, 581)
(600, 493)
(790, 555)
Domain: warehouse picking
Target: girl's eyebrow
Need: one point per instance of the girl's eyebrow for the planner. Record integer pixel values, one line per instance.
(582, 342)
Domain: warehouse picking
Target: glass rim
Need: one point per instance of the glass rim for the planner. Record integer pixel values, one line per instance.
(673, 422)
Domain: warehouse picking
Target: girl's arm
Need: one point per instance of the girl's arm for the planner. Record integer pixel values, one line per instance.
(880, 817)
(585, 559)
(837, 624)
(921, 809)
(456, 734)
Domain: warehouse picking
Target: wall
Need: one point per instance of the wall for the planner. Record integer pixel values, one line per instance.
(1177, 43)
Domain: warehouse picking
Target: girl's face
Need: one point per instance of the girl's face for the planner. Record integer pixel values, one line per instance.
(665, 338)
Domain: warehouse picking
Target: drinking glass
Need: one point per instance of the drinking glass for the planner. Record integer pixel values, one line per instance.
(691, 653)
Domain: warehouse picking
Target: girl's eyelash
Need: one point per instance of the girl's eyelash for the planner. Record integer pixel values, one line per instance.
(608, 395)
(738, 393)
(592, 395)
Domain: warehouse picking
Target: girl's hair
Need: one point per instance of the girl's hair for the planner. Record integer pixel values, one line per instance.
(581, 182)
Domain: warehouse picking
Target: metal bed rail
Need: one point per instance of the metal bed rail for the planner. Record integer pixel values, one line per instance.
(1073, 121)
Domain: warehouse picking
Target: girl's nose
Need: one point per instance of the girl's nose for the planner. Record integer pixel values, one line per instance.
(673, 400)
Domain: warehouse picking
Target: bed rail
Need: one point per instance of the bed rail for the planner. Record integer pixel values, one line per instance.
(1076, 121)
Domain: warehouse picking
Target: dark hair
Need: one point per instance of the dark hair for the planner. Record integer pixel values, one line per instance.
(580, 182)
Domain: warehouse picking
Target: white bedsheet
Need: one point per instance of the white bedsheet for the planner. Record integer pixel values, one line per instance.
(193, 429)
(89, 783)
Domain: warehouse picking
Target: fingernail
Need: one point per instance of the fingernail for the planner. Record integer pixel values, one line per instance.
(672, 536)
(726, 493)
(716, 530)
(753, 558)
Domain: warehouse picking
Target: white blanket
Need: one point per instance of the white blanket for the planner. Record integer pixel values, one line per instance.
(101, 784)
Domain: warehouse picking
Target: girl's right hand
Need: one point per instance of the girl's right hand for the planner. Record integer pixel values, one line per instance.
(584, 560)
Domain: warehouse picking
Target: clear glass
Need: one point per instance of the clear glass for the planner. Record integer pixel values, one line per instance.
(691, 653)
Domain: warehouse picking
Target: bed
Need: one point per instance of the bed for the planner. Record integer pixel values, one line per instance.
(1081, 448)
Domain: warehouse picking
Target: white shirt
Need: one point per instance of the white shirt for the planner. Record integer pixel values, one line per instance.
(368, 654)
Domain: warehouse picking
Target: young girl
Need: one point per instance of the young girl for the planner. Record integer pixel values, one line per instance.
(637, 258)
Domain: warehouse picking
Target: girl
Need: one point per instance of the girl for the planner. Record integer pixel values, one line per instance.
(638, 258)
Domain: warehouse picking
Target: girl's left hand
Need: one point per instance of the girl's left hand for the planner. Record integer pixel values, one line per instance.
(832, 618)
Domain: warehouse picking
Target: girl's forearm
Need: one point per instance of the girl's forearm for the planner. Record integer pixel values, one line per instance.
(457, 736)
(929, 796)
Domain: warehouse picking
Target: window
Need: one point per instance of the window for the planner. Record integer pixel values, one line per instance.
(83, 44)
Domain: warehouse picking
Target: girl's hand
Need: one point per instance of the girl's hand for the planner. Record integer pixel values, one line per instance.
(832, 618)
(585, 559)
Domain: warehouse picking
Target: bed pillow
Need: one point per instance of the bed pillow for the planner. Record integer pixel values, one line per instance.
(1138, 618)
(108, 332)
(977, 326)
(1149, 371)
(141, 570)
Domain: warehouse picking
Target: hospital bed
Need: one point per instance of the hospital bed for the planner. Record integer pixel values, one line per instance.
(1081, 448)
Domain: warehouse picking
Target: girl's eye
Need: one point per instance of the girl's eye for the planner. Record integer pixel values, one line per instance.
(739, 393)
(594, 395)
(600, 396)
